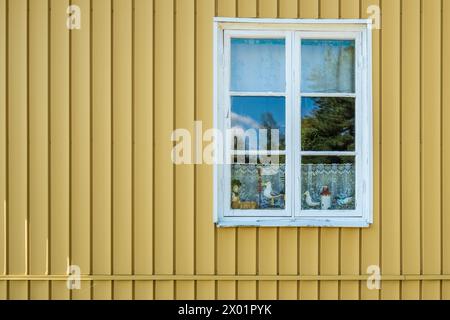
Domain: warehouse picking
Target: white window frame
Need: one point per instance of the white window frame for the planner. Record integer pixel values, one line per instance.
(293, 30)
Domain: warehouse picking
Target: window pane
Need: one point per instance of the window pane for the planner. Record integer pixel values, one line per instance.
(328, 66)
(251, 115)
(258, 186)
(328, 124)
(258, 65)
(328, 183)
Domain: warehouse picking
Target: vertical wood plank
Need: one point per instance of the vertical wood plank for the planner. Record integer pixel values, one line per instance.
(390, 153)
(246, 290)
(38, 145)
(85, 291)
(349, 254)
(309, 262)
(309, 237)
(268, 262)
(267, 8)
(164, 120)
(268, 237)
(101, 145)
(431, 146)
(349, 263)
(3, 290)
(226, 8)
(185, 290)
(143, 144)
(39, 290)
(3, 135)
(226, 290)
(370, 237)
(446, 148)
(122, 290)
(80, 168)
(102, 290)
(246, 262)
(288, 8)
(164, 290)
(122, 145)
(329, 9)
(143, 290)
(17, 150)
(247, 8)
(410, 290)
(205, 229)
(184, 119)
(410, 145)
(59, 148)
(329, 237)
(226, 237)
(309, 9)
(287, 255)
(350, 9)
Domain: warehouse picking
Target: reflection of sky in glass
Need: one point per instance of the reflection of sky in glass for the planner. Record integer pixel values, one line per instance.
(328, 65)
(259, 113)
(258, 65)
(308, 107)
(247, 112)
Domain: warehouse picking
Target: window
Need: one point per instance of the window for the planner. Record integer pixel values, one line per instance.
(293, 101)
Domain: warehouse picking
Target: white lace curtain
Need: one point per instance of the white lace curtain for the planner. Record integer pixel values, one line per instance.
(339, 178)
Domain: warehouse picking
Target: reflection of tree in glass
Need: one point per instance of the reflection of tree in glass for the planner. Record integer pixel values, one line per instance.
(330, 126)
(268, 122)
(327, 160)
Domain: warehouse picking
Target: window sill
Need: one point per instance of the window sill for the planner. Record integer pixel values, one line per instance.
(300, 222)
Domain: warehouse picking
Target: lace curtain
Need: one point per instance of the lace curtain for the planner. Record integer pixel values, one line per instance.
(260, 186)
(263, 186)
(338, 178)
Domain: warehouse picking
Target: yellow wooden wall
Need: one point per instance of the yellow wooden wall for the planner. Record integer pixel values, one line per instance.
(86, 177)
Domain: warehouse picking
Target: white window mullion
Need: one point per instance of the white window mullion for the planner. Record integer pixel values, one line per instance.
(296, 127)
(290, 166)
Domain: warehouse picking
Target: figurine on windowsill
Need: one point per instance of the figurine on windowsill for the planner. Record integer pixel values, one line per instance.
(325, 198)
(309, 200)
(236, 203)
(344, 201)
(269, 194)
(235, 198)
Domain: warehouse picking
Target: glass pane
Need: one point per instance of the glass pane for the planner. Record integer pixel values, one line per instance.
(259, 121)
(258, 65)
(328, 124)
(258, 186)
(328, 183)
(328, 66)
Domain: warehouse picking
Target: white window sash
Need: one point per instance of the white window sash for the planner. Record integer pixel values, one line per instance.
(334, 35)
(226, 194)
